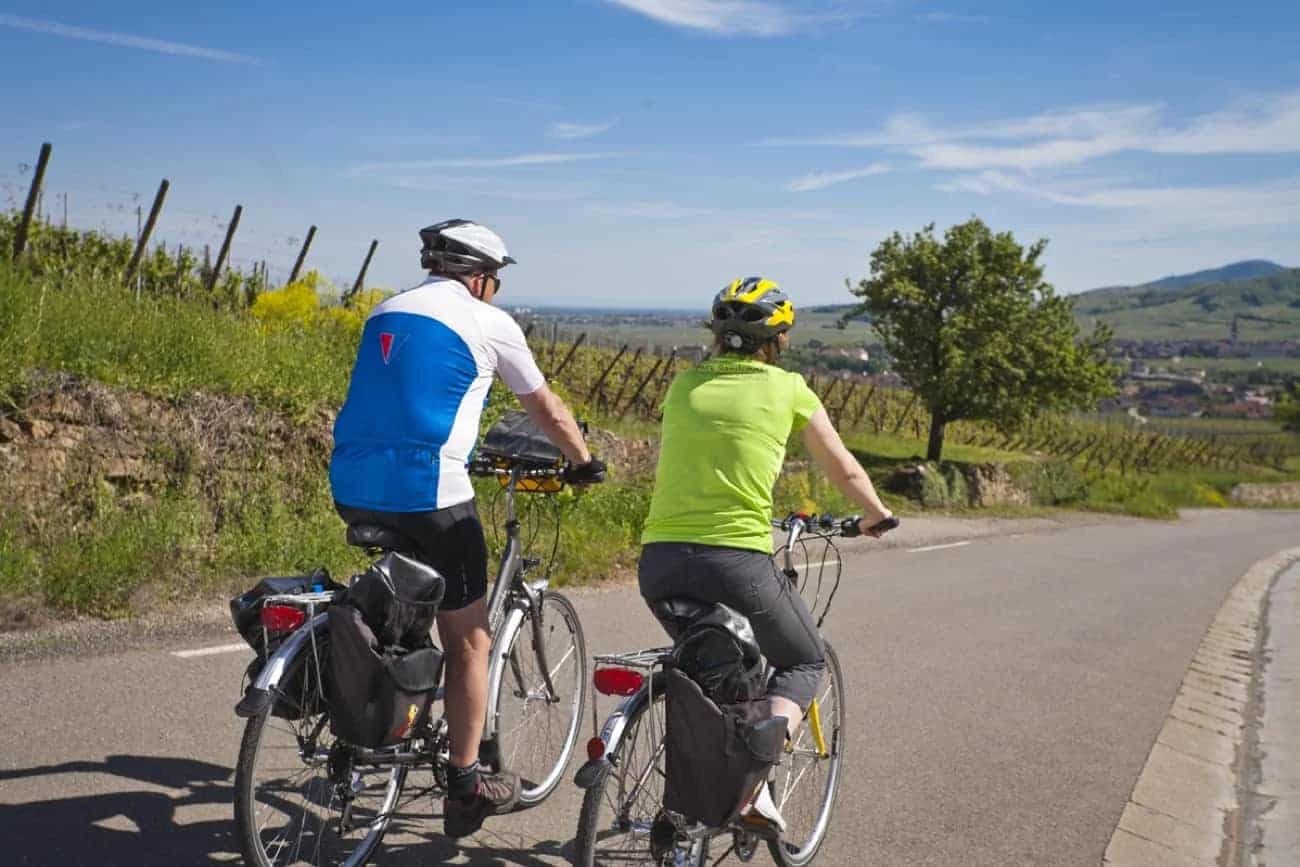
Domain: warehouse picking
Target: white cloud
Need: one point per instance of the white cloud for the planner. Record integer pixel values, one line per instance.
(520, 160)
(124, 40)
(1256, 125)
(1275, 202)
(822, 180)
(1069, 137)
(731, 17)
(952, 18)
(563, 130)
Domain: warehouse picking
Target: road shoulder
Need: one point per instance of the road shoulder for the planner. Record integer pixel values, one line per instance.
(1195, 801)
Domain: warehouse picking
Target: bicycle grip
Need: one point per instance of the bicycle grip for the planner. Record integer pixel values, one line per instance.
(890, 523)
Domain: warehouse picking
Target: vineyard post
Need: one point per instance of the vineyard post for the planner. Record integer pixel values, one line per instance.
(830, 389)
(33, 195)
(866, 402)
(601, 379)
(555, 337)
(631, 369)
(225, 248)
(361, 275)
(302, 254)
(640, 388)
(528, 332)
(898, 425)
(569, 355)
(844, 404)
(154, 211)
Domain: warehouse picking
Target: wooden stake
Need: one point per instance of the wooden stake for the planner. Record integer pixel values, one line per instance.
(33, 196)
(302, 254)
(143, 241)
(225, 248)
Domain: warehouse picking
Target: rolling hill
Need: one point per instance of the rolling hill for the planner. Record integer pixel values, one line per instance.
(1265, 303)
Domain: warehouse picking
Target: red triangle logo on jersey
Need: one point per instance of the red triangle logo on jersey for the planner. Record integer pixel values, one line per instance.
(386, 345)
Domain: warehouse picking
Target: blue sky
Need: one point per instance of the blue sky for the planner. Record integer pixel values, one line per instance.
(644, 152)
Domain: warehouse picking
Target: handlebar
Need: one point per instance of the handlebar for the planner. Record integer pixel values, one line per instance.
(797, 523)
(491, 467)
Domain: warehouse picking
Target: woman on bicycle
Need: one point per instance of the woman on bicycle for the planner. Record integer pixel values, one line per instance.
(708, 536)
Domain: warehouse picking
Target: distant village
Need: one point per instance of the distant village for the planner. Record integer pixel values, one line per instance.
(1159, 378)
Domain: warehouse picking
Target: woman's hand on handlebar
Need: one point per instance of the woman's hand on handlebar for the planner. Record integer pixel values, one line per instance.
(877, 525)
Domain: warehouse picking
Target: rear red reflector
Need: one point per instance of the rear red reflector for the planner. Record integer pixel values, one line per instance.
(618, 681)
(595, 749)
(282, 618)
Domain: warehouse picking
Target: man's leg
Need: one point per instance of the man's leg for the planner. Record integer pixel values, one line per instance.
(467, 645)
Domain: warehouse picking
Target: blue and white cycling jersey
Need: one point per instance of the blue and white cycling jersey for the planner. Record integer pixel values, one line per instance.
(412, 413)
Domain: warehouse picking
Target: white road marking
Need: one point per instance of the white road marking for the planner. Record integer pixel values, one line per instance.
(937, 547)
(211, 651)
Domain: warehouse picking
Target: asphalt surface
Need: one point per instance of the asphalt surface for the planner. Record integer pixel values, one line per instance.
(1003, 697)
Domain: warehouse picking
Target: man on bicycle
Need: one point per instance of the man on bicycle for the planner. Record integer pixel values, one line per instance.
(708, 535)
(401, 443)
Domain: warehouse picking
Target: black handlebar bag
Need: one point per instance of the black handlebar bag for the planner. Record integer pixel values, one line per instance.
(384, 669)
(716, 756)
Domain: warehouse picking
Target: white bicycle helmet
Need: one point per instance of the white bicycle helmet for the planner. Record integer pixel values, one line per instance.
(462, 247)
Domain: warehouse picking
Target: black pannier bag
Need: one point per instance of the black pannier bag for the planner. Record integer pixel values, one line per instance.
(718, 651)
(398, 597)
(245, 613)
(384, 668)
(716, 756)
(377, 695)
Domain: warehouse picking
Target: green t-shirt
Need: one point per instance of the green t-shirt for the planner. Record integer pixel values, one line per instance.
(725, 427)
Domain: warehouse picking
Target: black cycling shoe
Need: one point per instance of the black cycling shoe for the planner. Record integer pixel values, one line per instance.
(496, 794)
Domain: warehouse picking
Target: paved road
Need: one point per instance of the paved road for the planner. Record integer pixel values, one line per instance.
(1003, 698)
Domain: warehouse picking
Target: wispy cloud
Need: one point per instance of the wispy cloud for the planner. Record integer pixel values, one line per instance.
(734, 17)
(822, 180)
(563, 130)
(124, 40)
(1272, 202)
(520, 160)
(1069, 137)
(939, 17)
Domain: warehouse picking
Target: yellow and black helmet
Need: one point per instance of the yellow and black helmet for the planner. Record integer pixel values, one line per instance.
(751, 311)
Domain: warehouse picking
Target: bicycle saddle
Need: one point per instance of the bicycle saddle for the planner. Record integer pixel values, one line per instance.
(376, 536)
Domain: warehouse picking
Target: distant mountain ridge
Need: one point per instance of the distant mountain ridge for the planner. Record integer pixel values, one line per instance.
(1251, 301)
(1243, 270)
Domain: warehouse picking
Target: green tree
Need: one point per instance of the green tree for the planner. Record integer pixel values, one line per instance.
(975, 330)
(1287, 410)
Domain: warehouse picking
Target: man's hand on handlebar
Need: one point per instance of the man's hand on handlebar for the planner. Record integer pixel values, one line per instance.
(590, 473)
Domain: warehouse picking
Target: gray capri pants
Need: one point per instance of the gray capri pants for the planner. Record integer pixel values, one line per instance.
(749, 582)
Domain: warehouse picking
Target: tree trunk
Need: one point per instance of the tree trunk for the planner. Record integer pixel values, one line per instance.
(938, 423)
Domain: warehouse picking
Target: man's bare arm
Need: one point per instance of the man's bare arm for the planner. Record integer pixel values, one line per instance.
(550, 413)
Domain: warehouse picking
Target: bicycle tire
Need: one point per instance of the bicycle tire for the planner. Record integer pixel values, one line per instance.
(630, 761)
(798, 853)
(317, 832)
(523, 711)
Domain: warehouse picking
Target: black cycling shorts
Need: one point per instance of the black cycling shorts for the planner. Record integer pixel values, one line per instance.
(450, 540)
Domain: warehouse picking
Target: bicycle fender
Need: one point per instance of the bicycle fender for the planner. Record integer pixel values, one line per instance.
(260, 694)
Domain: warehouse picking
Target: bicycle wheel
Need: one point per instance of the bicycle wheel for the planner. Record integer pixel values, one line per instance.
(620, 808)
(537, 729)
(805, 782)
(292, 777)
